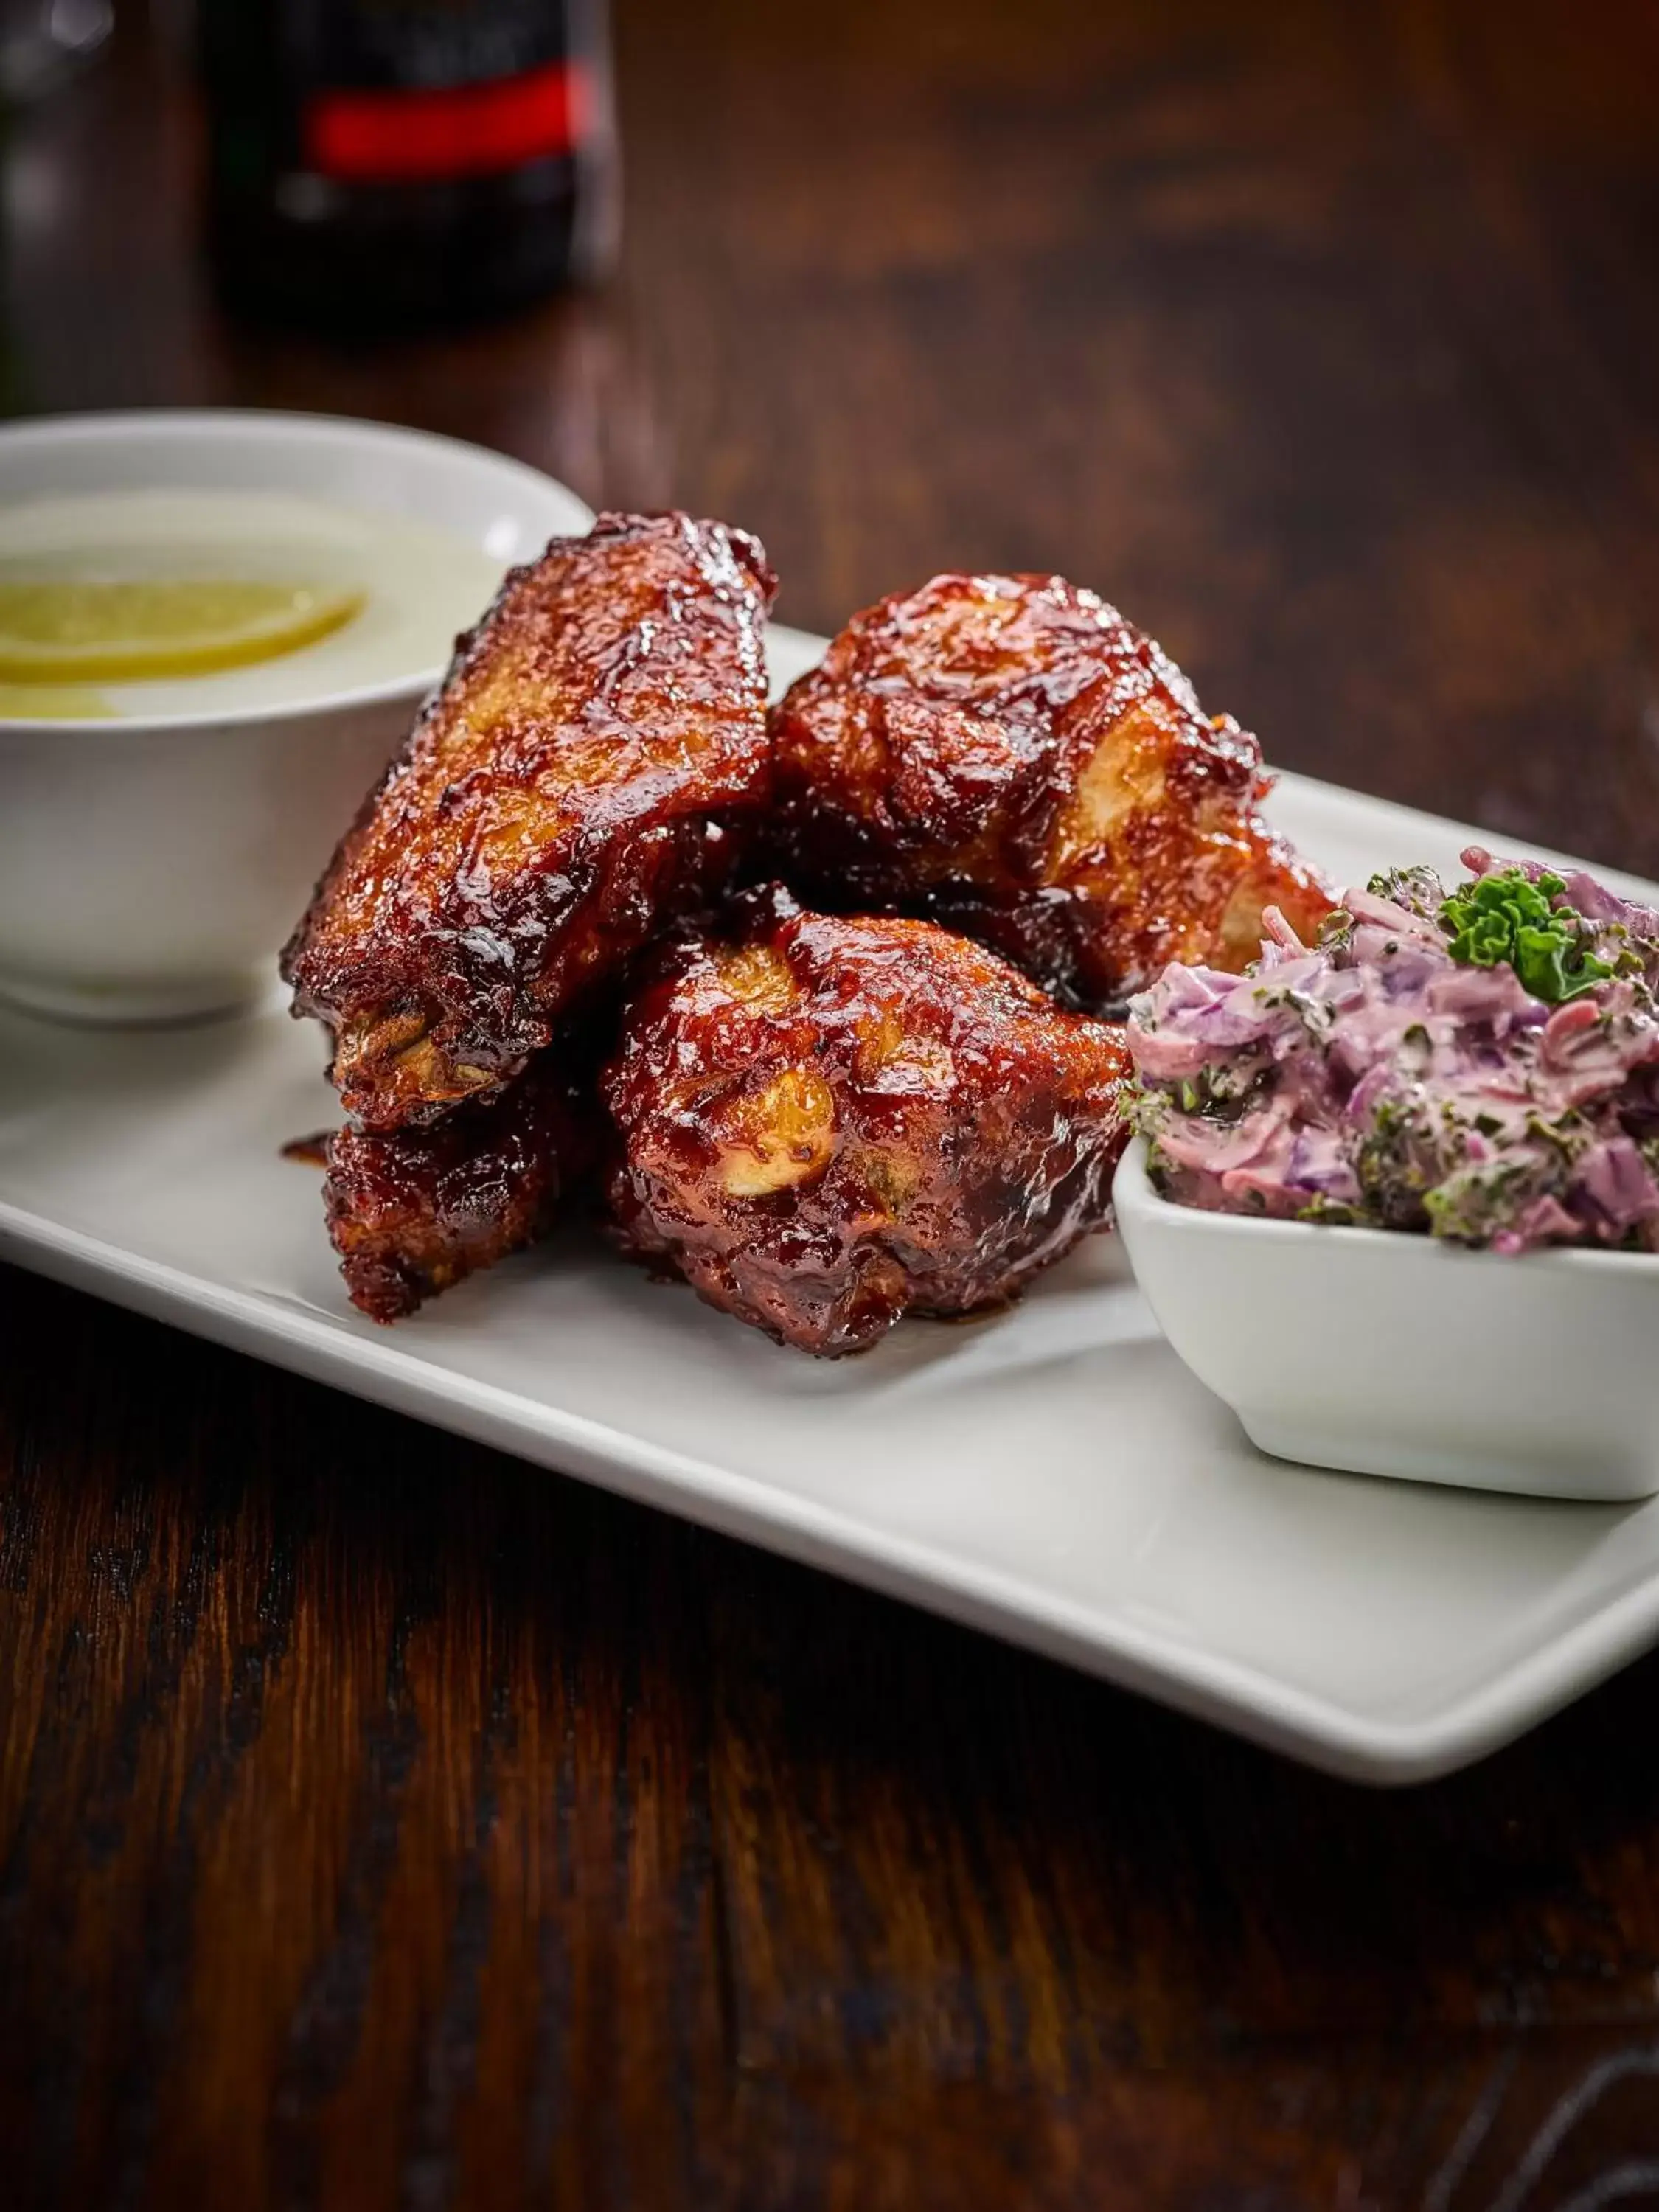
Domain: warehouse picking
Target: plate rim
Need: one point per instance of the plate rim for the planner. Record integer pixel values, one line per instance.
(1226, 1692)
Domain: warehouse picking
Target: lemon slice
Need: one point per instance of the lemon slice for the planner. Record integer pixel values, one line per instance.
(61, 632)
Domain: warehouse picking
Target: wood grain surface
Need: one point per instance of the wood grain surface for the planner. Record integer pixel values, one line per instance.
(383, 1824)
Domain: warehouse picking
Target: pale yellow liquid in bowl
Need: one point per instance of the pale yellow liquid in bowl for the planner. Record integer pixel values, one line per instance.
(241, 602)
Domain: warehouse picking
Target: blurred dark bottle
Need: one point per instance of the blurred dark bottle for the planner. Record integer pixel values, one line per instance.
(395, 163)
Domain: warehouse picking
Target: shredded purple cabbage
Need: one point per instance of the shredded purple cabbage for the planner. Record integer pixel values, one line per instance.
(1373, 1079)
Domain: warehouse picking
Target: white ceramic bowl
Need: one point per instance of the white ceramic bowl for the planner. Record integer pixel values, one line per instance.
(1382, 1353)
(151, 869)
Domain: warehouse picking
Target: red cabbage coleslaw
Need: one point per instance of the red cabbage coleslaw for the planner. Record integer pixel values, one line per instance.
(1481, 1065)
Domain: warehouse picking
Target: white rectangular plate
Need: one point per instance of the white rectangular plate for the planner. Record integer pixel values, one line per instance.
(1051, 1475)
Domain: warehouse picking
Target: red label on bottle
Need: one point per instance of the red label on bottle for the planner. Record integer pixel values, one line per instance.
(463, 130)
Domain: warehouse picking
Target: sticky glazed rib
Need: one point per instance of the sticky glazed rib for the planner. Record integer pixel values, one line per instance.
(1010, 756)
(576, 783)
(412, 1212)
(827, 1123)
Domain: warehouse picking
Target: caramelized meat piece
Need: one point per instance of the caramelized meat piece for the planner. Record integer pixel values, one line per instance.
(573, 786)
(1008, 755)
(827, 1123)
(413, 1211)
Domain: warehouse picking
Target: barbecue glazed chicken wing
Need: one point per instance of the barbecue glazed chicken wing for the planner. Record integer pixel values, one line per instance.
(413, 1211)
(575, 785)
(827, 1123)
(1008, 755)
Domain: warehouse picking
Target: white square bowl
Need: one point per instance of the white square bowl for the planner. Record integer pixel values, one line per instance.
(1379, 1353)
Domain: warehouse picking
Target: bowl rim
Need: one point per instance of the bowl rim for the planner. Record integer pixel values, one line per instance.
(1134, 1194)
(244, 426)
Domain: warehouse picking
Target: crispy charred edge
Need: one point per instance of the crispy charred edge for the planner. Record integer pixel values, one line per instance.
(707, 849)
(1111, 662)
(307, 1002)
(1056, 933)
(881, 1288)
(669, 873)
(613, 525)
(413, 1213)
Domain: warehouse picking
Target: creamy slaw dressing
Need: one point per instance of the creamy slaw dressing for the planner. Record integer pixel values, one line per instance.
(1374, 1078)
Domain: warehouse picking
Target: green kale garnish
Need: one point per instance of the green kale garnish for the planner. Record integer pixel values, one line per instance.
(1505, 917)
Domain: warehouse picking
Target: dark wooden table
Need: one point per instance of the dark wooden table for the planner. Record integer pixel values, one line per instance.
(384, 1824)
